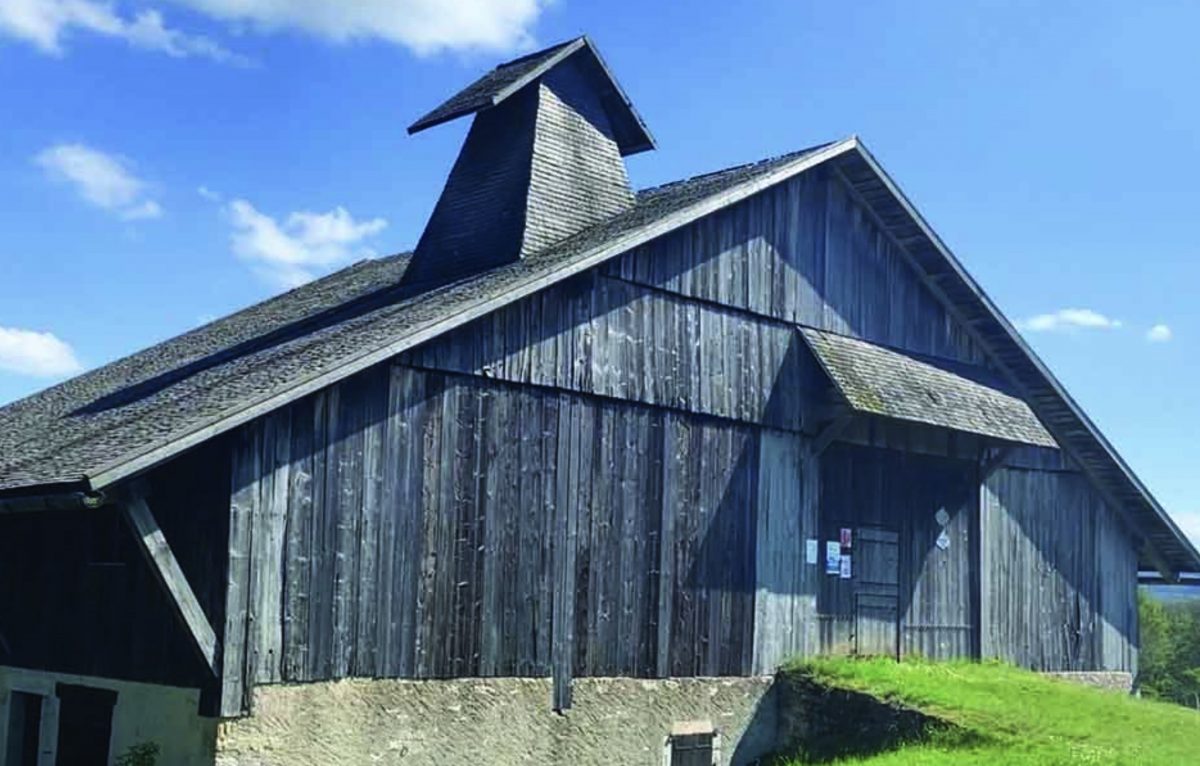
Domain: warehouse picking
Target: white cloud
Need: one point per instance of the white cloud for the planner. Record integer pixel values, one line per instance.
(208, 194)
(40, 354)
(103, 180)
(1069, 320)
(425, 26)
(1159, 333)
(305, 244)
(44, 24)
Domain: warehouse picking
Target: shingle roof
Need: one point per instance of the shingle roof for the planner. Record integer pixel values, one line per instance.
(483, 92)
(896, 384)
(493, 87)
(104, 420)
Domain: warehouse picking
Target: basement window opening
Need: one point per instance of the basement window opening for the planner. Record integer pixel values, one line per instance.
(694, 748)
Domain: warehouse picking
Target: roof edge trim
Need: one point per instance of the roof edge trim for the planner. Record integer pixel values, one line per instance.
(553, 60)
(646, 140)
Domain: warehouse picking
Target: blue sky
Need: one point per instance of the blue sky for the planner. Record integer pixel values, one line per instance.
(162, 164)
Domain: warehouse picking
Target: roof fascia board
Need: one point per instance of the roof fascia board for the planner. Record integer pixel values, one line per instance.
(1038, 364)
(560, 56)
(540, 70)
(117, 472)
(650, 142)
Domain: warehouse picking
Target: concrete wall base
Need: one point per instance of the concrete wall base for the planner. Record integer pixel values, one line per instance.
(497, 721)
(1117, 681)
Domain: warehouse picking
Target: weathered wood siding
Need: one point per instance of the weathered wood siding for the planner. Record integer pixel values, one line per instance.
(415, 524)
(602, 335)
(930, 590)
(1059, 573)
(616, 477)
(703, 319)
(805, 252)
(785, 606)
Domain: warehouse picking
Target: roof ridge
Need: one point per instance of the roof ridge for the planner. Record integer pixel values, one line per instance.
(734, 168)
(539, 52)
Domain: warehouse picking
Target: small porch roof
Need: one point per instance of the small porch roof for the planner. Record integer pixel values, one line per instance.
(877, 380)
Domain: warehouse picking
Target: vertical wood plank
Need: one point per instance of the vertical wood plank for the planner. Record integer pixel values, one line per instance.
(247, 467)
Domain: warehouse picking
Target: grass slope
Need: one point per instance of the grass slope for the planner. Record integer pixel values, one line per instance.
(1002, 715)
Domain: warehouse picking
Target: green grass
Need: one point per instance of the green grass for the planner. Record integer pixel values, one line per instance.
(1001, 715)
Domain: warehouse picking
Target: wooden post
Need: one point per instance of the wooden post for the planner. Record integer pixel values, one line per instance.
(166, 569)
(48, 732)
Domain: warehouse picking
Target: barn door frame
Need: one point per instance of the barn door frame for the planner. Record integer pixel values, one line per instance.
(881, 595)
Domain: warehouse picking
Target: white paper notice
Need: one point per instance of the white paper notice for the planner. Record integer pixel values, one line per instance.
(810, 551)
(833, 557)
(845, 567)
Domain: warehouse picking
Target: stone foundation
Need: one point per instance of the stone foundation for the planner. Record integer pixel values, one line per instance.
(497, 721)
(1115, 681)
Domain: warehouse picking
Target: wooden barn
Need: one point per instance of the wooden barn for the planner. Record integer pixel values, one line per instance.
(566, 483)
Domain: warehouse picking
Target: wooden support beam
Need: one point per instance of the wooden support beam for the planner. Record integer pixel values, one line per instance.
(165, 566)
(830, 433)
(988, 465)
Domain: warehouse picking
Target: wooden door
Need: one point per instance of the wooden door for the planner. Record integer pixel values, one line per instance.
(876, 591)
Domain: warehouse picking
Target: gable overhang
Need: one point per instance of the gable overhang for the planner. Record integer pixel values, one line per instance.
(1164, 547)
(633, 135)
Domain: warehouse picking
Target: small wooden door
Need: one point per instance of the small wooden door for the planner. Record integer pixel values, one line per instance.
(876, 578)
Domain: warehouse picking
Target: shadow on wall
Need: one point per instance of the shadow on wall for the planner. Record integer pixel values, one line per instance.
(87, 601)
(1065, 590)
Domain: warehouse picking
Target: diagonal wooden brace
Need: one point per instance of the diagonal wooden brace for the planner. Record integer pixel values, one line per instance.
(166, 569)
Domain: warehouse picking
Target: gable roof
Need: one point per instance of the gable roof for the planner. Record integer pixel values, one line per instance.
(114, 422)
(897, 384)
(491, 89)
(122, 418)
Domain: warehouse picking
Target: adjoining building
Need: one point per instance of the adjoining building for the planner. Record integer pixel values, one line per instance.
(566, 483)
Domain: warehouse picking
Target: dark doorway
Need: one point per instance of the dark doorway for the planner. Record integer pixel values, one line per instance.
(84, 724)
(24, 729)
(911, 523)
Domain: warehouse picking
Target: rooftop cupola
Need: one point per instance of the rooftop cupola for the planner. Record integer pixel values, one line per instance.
(542, 161)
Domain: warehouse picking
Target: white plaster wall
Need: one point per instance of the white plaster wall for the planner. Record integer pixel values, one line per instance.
(468, 722)
(164, 715)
